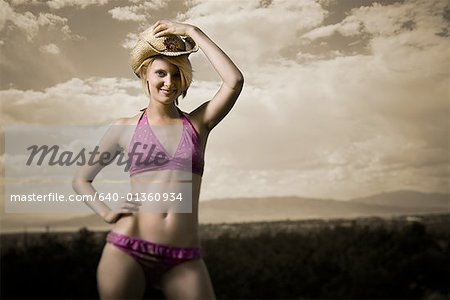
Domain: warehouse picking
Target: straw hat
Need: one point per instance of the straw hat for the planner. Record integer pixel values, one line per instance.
(149, 45)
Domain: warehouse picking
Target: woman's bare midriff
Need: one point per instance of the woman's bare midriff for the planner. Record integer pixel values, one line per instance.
(164, 226)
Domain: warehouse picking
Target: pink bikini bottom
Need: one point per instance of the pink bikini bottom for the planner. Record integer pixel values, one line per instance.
(155, 259)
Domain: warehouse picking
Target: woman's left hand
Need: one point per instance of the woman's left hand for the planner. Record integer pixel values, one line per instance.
(163, 27)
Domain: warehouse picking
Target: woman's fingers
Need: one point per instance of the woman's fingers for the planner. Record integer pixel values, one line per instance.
(158, 28)
(164, 27)
(132, 203)
(161, 30)
(129, 206)
(162, 21)
(135, 198)
(127, 210)
(162, 33)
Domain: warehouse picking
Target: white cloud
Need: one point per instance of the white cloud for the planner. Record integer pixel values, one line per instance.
(30, 23)
(27, 2)
(5, 13)
(386, 20)
(58, 4)
(349, 26)
(137, 13)
(323, 124)
(130, 40)
(321, 32)
(155, 4)
(127, 13)
(46, 19)
(84, 99)
(50, 48)
(334, 125)
(327, 2)
(251, 32)
(306, 57)
(332, 129)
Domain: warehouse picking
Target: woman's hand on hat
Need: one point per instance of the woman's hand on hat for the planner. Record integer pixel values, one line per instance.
(164, 27)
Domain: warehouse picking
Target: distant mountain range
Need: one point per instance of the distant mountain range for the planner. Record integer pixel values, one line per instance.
(236, 210)
(297, 208)
(407, 199)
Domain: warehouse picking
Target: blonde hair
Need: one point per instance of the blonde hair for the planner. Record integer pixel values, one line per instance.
(181, 62)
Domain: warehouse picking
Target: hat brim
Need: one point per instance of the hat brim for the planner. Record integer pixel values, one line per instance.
(144, 50)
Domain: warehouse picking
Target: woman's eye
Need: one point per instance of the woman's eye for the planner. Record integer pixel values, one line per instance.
(160, 73)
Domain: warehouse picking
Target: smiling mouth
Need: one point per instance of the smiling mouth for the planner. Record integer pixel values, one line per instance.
(167, 91)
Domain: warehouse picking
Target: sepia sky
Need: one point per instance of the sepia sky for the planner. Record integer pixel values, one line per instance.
(342, 98)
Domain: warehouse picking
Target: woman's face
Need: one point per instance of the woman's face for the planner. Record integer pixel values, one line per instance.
(164, 81)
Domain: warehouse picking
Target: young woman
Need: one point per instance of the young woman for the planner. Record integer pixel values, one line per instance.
(161, 249)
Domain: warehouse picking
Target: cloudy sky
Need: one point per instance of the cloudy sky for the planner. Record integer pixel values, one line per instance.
(342, 98)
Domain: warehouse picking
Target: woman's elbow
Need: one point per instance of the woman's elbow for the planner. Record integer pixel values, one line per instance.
(238, 82)
(78, 183)
(240, 79)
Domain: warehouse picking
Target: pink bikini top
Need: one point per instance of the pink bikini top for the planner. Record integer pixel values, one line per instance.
(147, 154)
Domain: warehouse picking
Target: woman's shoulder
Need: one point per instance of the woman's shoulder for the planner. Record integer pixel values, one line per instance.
(127, 120)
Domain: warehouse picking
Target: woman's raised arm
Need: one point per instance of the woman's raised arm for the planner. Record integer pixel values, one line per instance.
(213, 111)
